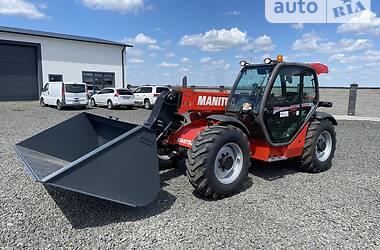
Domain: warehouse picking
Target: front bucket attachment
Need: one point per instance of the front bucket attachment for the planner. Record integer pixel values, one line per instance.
(96, 156)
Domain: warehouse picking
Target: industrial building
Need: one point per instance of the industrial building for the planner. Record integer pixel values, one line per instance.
(29, 58)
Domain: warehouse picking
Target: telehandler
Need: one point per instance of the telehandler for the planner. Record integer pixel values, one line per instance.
(269, 115)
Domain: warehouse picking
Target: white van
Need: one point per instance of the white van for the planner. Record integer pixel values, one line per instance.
(64, 94)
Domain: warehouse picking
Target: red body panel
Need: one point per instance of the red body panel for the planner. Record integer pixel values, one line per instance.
(260, 150)
(203, 102)
(186, 134)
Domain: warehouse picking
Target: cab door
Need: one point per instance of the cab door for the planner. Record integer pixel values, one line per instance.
(309, 94)
(282, 112)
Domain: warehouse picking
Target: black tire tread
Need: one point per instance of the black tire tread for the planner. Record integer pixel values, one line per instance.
(307, 161)
(198, 159)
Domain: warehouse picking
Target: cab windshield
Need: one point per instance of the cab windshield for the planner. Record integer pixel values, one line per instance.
(250, 87)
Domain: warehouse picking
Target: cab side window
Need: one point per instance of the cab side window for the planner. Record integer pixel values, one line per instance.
(285, 90)
(282, 113)
(309, 93)
(137, 91)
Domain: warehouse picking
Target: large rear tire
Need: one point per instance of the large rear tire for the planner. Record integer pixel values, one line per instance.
(218, 163)
(320, 147)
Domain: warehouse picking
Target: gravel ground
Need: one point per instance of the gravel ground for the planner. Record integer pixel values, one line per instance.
(280, 207)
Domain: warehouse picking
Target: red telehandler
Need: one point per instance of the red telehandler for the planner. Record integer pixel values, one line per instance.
(269, 115)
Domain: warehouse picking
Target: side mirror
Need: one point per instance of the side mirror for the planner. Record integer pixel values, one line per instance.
(325, 104)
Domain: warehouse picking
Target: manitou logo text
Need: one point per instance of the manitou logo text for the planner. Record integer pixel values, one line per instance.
(184, 141)
(212, 101)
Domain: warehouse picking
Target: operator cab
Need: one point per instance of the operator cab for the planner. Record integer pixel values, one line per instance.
(275, 99)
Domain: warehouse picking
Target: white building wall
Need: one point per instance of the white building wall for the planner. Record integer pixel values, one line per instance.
(71, 58)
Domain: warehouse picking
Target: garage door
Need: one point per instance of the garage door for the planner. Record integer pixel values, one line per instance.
(18, 73)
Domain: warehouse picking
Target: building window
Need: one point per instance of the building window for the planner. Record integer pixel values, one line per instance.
(99, 79)
(55, 78)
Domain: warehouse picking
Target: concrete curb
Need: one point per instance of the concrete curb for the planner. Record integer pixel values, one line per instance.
(356, 118)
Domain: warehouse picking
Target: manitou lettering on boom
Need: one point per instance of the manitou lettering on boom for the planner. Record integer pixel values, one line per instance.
(212, 101)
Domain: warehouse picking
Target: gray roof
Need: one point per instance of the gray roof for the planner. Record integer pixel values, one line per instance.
(60, 36)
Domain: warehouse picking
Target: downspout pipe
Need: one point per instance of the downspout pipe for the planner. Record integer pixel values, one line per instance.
(123, 65)
(123, 54)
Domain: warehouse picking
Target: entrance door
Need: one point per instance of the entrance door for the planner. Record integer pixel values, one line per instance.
(282, 114)
(18, 73)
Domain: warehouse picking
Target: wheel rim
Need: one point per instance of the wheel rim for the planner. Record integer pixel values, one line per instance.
(147, 105)
(42, 102)
(109, 105)
(324, 146)
(93, 102)
(229, 163)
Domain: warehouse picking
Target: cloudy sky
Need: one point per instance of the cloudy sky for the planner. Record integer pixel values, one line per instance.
(205, 39)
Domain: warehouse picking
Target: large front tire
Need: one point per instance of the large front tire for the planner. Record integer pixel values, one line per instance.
(218, 163)
(320, 147)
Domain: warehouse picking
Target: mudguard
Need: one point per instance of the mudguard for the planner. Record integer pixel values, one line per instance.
(229, 120)
(325, 116)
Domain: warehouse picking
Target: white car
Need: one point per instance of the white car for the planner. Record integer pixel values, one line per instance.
(113, 97)
(91, 91)
(64, 94)
(147, 95)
